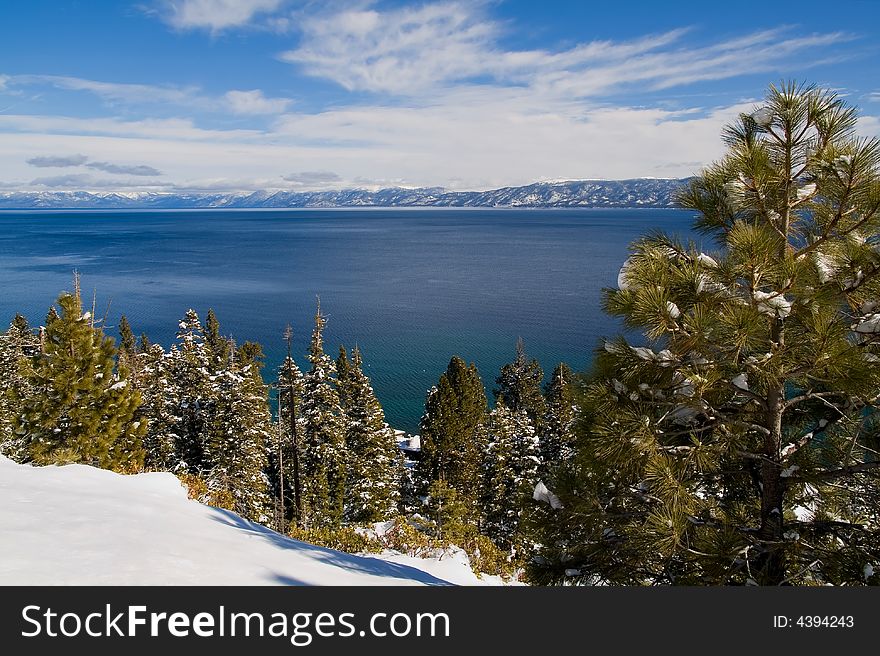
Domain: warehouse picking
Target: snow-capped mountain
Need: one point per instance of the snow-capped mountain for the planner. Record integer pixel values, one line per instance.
(639, 192)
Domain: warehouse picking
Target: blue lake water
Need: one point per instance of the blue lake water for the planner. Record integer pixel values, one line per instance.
(410, 287)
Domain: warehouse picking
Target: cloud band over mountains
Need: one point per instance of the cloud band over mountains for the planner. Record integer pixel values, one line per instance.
(69, 161)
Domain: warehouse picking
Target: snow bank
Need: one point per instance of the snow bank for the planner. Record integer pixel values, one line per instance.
(77, 525)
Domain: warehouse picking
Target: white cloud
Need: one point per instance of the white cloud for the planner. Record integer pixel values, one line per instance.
(453, 107)
(177, 129)
(494, 143)
(3, 80)
(116, 92)
(403, 50)
(411, 51)
(254, 102)
(84, 181)
(868, 126)
(215, 15)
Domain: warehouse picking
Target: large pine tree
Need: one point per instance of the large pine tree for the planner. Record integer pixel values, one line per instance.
(190, 369)
(324, 457)
(161, 410)
(453, 442)
(557, 439)
(739, 442)
(76, 407)
(237, 437)
(374, 465)
(510, 474)
(16, 345)
(285, 459)
(519, 385)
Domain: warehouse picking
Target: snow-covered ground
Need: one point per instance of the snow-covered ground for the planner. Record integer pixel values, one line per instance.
(77, 525)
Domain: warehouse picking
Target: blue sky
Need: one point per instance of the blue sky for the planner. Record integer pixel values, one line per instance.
(240, 95)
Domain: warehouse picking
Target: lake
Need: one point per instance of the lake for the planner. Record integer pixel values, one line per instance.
(409, 287)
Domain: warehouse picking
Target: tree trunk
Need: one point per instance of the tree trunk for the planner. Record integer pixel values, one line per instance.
(772, 559)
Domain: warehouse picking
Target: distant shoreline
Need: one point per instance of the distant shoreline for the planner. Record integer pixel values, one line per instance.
(93, 210)
(653, 193)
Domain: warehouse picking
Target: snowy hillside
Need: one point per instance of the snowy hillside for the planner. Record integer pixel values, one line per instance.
(77, 525)
(638, 192)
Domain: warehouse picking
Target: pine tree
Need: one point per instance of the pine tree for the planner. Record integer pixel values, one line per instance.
(323, 446)
(452, 516)
(216, 345)
(208, 415)
(250, 356)
(510, 474)
(519, 385)
(453, 444)
(237, 434)
(374, 462)
(16, 345)
(557, 439)
(127, 343)
(286, 471)
(344, 381)
(190, 369)
(739, 444)
(161, 410)
(78, 409)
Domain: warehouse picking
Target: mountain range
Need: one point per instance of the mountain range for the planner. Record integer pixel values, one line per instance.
(638, 192)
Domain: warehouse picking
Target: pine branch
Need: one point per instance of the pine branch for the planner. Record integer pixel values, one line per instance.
(831, 474)
(749, 393)
(808, 396)
(826, 234)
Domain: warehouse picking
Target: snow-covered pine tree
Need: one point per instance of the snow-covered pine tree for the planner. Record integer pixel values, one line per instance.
(284, 459)
(519, 385)
(344, 381)
(160, 410)
(217, 346)
(557, 439)
(189, 368)
(324, 457)
(453, 444)
(739, 444)
(16, 345)
(76, 407)
(374, 461)
(510, 473)
(238, 431)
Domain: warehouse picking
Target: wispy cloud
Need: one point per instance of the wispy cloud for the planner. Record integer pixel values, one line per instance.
(254, 102)
(437, 97)
(402, 50)
(410, 51)
(116, 92)
(124, 169)
(84, 181)
(61, 161)
(179, 129)
(214, 15)
(313, 178)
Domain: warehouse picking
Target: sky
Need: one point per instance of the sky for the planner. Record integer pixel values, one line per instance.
(247, 95)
